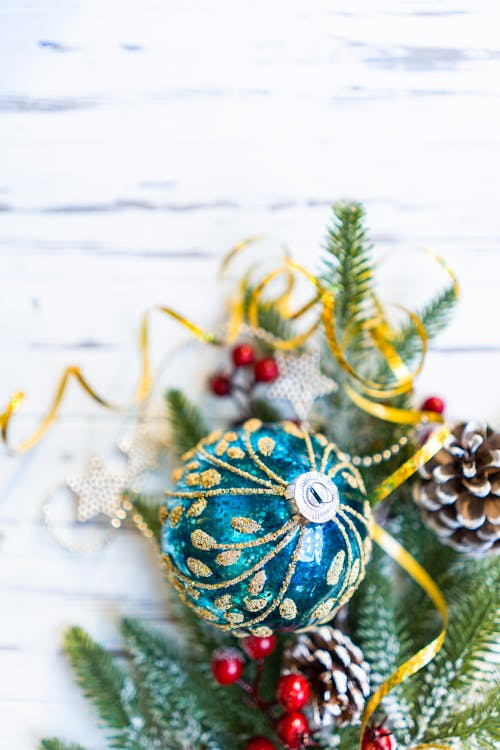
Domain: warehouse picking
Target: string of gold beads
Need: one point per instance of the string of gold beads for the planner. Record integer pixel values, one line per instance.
(382, 456)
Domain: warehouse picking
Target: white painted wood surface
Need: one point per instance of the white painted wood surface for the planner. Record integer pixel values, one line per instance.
(139, 140)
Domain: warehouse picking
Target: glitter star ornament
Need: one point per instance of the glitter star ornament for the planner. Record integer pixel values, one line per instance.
(141, 451)
(98, 491)
(266, 529)
(301, 381)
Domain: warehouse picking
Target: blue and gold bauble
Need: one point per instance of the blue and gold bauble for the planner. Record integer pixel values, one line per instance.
(266, 529)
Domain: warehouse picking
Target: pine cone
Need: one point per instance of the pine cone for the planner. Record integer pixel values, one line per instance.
(336, 671)
(459, 494)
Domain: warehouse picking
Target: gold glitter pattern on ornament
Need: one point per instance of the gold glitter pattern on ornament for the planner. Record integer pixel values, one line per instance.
(175, 515)
(262, 632)
(176, 475)
(256, 605)
(292, 429)
(350, 479)
(197, 508)
(210, 478)
(252, 425)
(201, 540)
(212, 438)
(288, 609)
(229, 557)
(192, 465)
(224, 602)
(235, 618)
(335, 569)
(205, 614)
(256, 584)
(163, 513)
(354, 575)
(230, 436)
(324, 609)
(245, 525)
(233, 469)
(264, 467)
(192, 479)
(235, 452)
(221, 448)
(266, 446)
(198, 568)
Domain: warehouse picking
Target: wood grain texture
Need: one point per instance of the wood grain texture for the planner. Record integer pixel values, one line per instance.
(141, 139)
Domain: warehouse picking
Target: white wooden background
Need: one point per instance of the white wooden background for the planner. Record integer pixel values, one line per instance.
(139, 140)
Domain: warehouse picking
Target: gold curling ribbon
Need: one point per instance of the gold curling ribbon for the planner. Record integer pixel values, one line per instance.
(201, 334)
(413, 464)
(413, 568)
(51, 416)
(391, 413)
(428, 652)
(74, 372)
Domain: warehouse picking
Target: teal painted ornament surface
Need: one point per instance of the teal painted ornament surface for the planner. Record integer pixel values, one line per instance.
(266, 529)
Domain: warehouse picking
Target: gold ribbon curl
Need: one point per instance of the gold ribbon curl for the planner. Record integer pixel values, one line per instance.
(428, 652)
(74, 372)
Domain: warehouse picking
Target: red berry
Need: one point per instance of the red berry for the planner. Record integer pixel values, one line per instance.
(293, 691)
(260, 743)
(266, 370)
(378, 738)
(227, 665)
(243, 355)
(220, 384)
(293, 729)
(435, 404)
(258, 648)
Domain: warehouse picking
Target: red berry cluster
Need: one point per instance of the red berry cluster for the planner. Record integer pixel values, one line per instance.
(292, 693)
(378, 737)
(244, 356)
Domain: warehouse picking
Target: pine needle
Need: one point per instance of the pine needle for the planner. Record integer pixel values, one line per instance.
(186, 422)
(101, 680)
(347, 263)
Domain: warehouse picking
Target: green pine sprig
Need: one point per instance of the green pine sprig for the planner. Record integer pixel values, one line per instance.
(103, 682)
(347, 263)
(186, 423)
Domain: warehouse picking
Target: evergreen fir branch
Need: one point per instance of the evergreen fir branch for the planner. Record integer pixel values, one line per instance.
(186, 422)
(105, 685)
(54, 744)
(434, 316)
(148, 645)
(377, 628)
(474, 633)
(481, 718)
(467, 663)
(169, 675)
(269, 317)
(347, 264)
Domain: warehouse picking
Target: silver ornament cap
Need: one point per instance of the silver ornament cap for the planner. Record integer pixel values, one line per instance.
(315, 496)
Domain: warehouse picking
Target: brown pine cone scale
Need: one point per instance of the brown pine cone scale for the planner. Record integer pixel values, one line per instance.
(337, 673)
(459, 490)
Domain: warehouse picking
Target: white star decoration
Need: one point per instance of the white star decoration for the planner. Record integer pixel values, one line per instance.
(301, 381)
(97, 491)
(141, 451)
